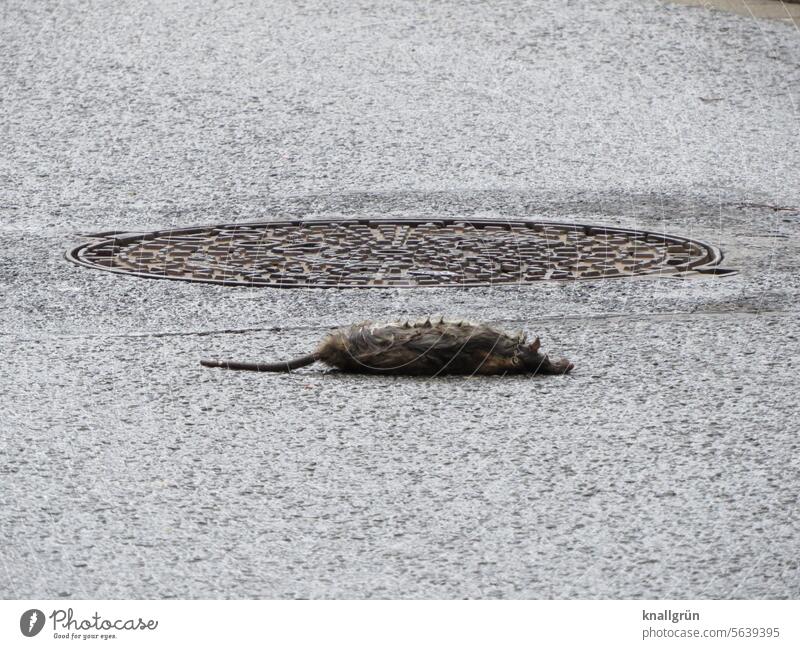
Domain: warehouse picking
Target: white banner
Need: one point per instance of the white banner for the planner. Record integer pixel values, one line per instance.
(389, 624)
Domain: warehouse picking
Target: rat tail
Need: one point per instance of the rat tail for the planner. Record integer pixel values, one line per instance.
(284, 366)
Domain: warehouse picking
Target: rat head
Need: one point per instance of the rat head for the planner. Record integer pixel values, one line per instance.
(536, 362)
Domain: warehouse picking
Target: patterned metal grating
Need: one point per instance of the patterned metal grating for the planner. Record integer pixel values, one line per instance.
(396, 253)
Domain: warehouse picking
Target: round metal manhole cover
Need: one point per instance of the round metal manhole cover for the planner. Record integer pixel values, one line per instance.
(396, 253)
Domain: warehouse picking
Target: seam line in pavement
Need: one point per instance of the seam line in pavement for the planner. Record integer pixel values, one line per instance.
(219, 332)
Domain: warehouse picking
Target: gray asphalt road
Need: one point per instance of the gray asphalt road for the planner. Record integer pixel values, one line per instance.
(666, 465)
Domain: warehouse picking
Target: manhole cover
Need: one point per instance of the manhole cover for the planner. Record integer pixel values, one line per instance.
(397, 253)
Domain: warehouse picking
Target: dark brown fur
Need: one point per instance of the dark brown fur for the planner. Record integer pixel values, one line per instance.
(422, 348)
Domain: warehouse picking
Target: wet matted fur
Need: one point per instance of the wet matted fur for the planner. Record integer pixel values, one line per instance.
(421, 348)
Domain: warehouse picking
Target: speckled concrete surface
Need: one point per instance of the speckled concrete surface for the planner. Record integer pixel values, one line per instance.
(665, 466)
(786, 11)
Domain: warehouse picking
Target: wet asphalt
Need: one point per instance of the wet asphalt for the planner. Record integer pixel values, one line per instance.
(665, 466)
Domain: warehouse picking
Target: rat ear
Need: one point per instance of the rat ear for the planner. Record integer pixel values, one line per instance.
(534, 346)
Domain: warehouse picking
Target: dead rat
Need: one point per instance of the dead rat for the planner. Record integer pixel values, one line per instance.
(420, 348)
